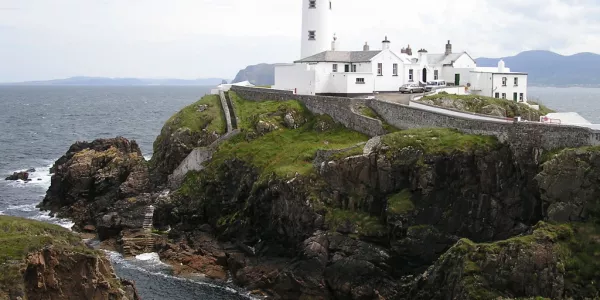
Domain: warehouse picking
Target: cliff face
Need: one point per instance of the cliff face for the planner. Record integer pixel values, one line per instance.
(42, 261)
(261, 74)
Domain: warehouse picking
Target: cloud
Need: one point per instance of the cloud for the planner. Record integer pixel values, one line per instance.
(41, 39)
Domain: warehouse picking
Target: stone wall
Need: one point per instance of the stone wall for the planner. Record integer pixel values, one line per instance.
(339, 108)
(523, 136)
(226, 111)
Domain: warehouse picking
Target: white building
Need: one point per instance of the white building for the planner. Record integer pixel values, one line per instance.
(324, 70)
(499, 82)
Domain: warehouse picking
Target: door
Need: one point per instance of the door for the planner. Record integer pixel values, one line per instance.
(424, 75)
(515, 95)
(457, 79)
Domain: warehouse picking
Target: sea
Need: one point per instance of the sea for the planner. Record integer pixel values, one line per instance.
(39, 123)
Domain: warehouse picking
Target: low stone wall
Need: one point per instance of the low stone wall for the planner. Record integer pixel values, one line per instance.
(195, 160)
(521, 135)
(226, 111)
(339, 108)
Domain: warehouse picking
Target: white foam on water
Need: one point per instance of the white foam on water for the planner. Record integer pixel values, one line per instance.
(148, 157)
(24, 207)
(151, 258)
(40, 178)
(47, 218)
(117, 258)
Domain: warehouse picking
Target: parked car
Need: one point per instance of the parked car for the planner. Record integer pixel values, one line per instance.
(434, 84)
(411, 88)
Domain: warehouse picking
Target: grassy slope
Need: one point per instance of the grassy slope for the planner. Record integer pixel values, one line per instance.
(18, 237)
(212, 119)
(284, 151)
(473, 103)
(438, 141)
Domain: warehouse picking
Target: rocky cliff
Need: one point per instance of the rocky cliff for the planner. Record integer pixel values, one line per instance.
(43, 261)
(261, 74)
(298, 207)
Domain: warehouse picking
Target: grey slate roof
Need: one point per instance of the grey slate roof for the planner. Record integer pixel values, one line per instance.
(443, 59)
(341, 56)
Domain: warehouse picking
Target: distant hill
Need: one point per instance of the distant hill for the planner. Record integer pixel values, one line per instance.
(549, 68)
(81, 80)
(261, 74)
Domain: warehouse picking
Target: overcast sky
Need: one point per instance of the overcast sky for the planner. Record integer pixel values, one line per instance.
(47, 39)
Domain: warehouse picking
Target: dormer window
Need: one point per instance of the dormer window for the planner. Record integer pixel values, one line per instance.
(312, 35)
(312, 4)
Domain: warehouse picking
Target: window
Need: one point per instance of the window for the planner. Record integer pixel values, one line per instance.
(521, 97)
(395, 70)
(379, 69)
(503, 95)
(346, 68)
(360, 81)
(334, 68)
(313, 4)
(329, 5)
(312, 35)
(354, 68)
(436, 74)
(497, 95)
(504, 80)
(516, 81)
(410, 75)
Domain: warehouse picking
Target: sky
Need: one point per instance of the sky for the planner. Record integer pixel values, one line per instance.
(49, 39)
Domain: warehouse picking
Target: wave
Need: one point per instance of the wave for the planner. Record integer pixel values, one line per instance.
(24, 207)
(58, 221)
(151, 258)
(40, 178)
(118, 259)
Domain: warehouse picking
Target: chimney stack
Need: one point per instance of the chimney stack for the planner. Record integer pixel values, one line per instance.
(408, 51)
(366, 47)
(448, 48)
(385, 44)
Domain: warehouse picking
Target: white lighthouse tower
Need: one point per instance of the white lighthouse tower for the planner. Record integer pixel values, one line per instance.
(317, 33)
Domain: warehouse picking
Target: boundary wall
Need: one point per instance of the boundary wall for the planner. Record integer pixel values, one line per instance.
(339, 108)
(522, 136)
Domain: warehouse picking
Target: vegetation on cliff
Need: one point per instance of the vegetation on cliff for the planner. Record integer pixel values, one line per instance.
(435, 141)
(196, 125)
(487, 106)
(38, 258)
(282, 137)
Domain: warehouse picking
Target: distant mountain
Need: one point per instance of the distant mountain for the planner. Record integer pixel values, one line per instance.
(261, 74)
(81, 80)
(549, 68)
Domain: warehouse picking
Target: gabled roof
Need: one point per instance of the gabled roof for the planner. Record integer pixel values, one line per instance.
(443, 59)
(341, 56)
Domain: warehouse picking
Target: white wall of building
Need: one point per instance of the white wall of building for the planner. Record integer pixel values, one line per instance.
(300, 78)
(464, 62)
(319, 20)
(491, 85)
(387, 82)
(347, 83)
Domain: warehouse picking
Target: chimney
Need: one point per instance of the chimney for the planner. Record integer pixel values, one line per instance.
(366, 47)
(501, 66)
(385, 45)
(334, 43)
(409, 51)
(423, 57)
(448, 48)
(403, 50)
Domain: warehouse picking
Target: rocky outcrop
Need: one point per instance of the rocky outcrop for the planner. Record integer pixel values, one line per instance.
(100, 184)
(261, 74)
(21, 175)
(44, 261)
(197, 125)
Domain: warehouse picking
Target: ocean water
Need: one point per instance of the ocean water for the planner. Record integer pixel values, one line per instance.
(37, 126)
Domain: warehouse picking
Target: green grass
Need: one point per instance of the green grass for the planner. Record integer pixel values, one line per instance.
(354, 151)
(475, 104)
(19, 237)
(212, 119)
(438, 141)
(364, 223)
(283, 152)
(543, 109)
(401, 203)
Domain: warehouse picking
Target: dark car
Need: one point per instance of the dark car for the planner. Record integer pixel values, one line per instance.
(411, 88)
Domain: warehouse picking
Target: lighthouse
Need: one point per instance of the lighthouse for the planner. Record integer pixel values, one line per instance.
(317, 33)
